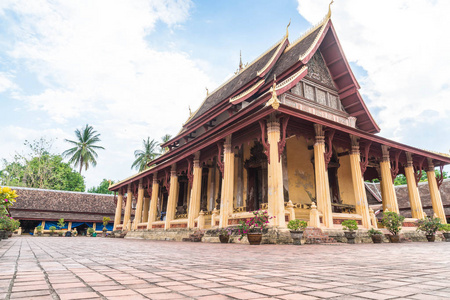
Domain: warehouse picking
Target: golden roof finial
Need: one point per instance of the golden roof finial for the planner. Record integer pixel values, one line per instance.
(207, 91)
(109, 181)
(241, 65)
(274, 100)
(190, 112)
(287, 29)
(329, 9)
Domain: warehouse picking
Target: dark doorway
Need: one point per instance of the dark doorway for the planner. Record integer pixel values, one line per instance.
(28, 226)
(82, 229)
(164, 196)
(204, 190)
(256, 167)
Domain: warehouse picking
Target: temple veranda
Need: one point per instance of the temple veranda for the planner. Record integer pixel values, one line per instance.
(290, 134)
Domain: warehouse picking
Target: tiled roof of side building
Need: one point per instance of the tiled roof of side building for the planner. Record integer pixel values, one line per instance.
(63, 201)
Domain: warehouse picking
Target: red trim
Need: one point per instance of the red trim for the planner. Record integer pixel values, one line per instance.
(440, 177)
(365, 163)
(418, 171)
(262, 125)
(282, 142)
(219, 156)
(394, 170)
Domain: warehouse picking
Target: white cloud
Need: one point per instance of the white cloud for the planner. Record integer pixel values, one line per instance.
(404, 47)
(94, 66)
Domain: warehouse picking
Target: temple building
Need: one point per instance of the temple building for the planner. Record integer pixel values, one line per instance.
(289, 133)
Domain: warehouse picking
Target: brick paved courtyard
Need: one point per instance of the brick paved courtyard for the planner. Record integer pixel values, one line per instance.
(98, 268)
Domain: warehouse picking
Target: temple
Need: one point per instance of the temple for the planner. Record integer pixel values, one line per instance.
(288, 133)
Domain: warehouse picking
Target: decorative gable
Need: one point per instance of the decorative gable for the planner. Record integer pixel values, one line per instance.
(317, 70)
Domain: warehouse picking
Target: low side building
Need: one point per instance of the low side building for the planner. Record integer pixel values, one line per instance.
(404, 205)
(45, 207)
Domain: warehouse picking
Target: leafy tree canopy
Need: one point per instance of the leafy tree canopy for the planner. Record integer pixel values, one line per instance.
(102, 188)
(41, 169)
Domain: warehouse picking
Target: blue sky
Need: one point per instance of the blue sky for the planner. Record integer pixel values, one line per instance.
(132, 69)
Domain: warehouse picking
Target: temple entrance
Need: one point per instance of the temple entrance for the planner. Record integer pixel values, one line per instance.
(183, 188)
(28, 225)
(163, 199)
(256, 167)
(336, 201)
(204, 190)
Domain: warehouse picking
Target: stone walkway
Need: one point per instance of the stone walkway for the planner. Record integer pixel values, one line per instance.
(99, 268)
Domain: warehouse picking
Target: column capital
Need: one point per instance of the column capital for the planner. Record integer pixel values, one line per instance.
(173, 173)
(409, 159)
(385, 151)
(140, 184)
(320, 134)
(227, 145)
(273, 126)
(354, 140)
(155, 178)
(430, 164)
(129, 188)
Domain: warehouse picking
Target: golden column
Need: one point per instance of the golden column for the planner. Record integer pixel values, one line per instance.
(118, 216)
(226, 201)
(145, 210)
(194, 203)
(435, 195)
(321, 175)
(275, 197)
(173, 197)
(387, 186)
(413, 191)
(154, 202)
(127, 216)
(140, 200)
(359, 189)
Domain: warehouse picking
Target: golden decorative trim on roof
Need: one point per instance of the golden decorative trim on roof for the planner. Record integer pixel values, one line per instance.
(272, 58)
(274, 99)
(312, 29)
(248, 91)
(291, 78)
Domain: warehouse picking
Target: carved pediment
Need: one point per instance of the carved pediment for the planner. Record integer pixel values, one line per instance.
(317, 70)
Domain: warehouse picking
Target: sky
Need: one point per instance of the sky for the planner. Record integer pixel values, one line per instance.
(132, 69)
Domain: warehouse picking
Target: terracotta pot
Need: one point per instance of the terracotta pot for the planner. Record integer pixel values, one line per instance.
(394, 238)
(224, 239)
(254, 238)
(377, 238)
(431, 237)
(350, 235)
(297, 236)
(446, 236)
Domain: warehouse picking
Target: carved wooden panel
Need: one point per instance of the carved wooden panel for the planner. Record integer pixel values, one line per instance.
(318, 70)
(309, 92)
(321, 97)
(333, 101)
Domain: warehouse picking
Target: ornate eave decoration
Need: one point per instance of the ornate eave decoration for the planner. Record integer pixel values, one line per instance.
(247, 93)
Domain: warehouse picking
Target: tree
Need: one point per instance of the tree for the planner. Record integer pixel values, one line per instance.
(83, 154)
(41, 169)
(143, 157)
(102, 188)
(165, 138)
(401, 179)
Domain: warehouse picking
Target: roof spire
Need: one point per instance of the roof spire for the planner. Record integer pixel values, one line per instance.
(207, 91)
(241, 65)
(329, 9)
(287, 29)
(190, 112)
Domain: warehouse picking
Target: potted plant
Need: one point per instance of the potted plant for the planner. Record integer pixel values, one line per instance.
(39, 230)
(224, 235)
(350, 226)
(61, 224)
(296, 228)
(105, 222)
(60, 233)
(446, 231)
(52, 230)
(429, 226)
(3, 227)
(393, 222)
(91, 231)
(375, 235)
(74, 232)
(254, 227)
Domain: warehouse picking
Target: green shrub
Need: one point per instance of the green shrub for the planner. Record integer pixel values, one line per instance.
(445, 227)
(429, 225)
(350, 225)
(52, 229)
(297, 225)
(39, 228)
(392, 221)
(373, 231)
(90, 230)
(61, 223)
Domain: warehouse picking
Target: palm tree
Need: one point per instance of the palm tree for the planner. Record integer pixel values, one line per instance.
(83, 153)
(143, 157)
(165, 138)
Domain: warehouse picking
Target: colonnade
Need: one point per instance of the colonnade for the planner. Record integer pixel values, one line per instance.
(146, 208)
